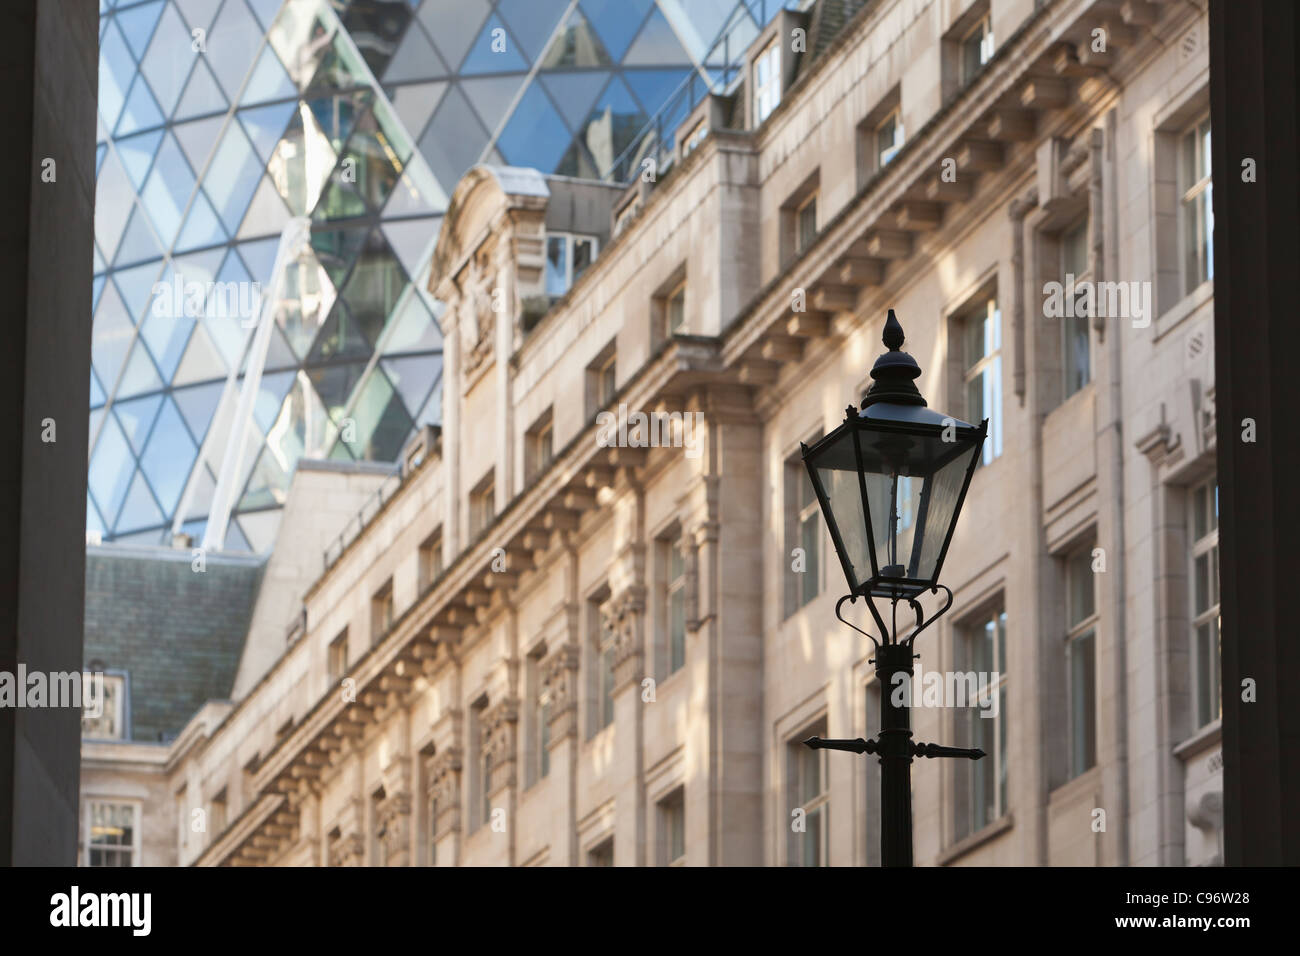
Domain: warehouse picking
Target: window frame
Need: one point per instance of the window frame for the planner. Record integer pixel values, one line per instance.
(1190, 192)
(121, 704)
(1204, 546)
(983, 27)
(1071, 325)
(895, 117)
(798, 759)
(482, 505)
(971, 775)
(336, 657)
(766, 76)
(990, 362)
(132, 850)
(805, 223)
(383, 611)
(571, 241)
(1080, 629)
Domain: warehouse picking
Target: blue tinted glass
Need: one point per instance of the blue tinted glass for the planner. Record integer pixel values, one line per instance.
(197, 404)
(269, 80)
(654, 87)
(168, 189)
(655, 45)
(116, 69)
(141, 110)
(110, 468)
(169, 58)
(266, 124)
(136, 154)
(202, 228)
(202, 95)
(136, 286)
(140, 509)
(531, 21)
(138, 241)
(575, 93)
(535, 135)
(616, 21)
(136, 418)
(454, 139)
(97, 395)
(495, 51)
(137, 25)
(232, 176)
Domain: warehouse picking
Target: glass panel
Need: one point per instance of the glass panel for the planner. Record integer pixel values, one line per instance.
(415, 104)
(340, 337)
(453, 24)
(268, 485)
(168, 189)
(202, 95)
(232, 177)
(454, 139)
(557, 265)
(110, 469)
(167, 460)
(576, 45)
(139, 510)
(136, 418)
(202, 361)
(531, 21)
(334, 386)
(308, 296)
(136, 286)
(266, 124)
(197, 138)
(492, 96)
(269, 81)
(656, 45)
(111, 338)
(266, 214)
(141, 110)
(301, 162)
(1082, 600)
(1082, 703)
(168, 60)
(574, 94)
(616, 21)
(197, 405)
(372, 289)
(535, 135)
(116, 70)
(612, 124)
(113, 205)
(413, 377)
(166, 337)
(140, 374)
(1201, 584)
(415, 59)
(835, 466)
(810, 539)
(495, 51)
(375, 26)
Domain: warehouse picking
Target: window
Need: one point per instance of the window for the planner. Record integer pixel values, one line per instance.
(981, 331)
(699, 132)
(605, 641)
(337, 657)
(1205, 602)
(381, 611)
(805, 232)
(976, 49)
(672, 829)
(482, 506)
(676, 308)
(539, 721)
(217, 813)
(567, 258)
(112, 834)
(380, 847)
(809, 799)
(674, 577)
(1081, 660)
(602, 855)
(103, 713)
(539, 446)
(1196, 210)
(430, 559)
(602, 380)
(803, 536)
(767, 82)
(1076, 360)
(889, 138)
(980, 647)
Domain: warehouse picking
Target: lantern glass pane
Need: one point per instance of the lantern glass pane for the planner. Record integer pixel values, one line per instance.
(834, 468)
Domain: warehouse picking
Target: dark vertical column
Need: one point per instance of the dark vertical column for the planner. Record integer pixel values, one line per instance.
(48, 64)
(1253, 100)
(895, 758)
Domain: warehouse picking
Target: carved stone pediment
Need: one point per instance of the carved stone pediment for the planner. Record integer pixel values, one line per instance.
(479, 333)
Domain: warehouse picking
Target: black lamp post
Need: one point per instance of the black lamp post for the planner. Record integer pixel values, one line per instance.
(891, 481)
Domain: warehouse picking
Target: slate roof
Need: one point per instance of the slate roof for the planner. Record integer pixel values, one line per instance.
(177, 633)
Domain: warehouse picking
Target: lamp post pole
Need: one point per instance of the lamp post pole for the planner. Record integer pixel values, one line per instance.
(913, 466)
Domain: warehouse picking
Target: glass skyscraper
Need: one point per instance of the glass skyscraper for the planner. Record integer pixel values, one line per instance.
(221, 120)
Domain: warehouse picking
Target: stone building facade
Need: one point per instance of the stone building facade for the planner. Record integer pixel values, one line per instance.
(554, 643)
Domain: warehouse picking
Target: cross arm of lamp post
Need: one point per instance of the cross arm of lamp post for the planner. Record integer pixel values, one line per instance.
(860, 746)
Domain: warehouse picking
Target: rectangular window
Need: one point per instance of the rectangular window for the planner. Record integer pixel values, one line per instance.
(981, 785)
(676, 308)
(674, 603)
(809, 802)
(567, 258)
(109, 720)
(1081, 660)
(805, 233)
(217, 813)
(672, 829)
(889, 138)
(607, 381)
(976, 49)
(539, 721)
(112, 834)
(381, 611)
(430, 559)
(539, 446)
(767, 82)
(1206, 701)
(803, 545)
(981, 331)
(605, 642)
(1196, 209)
(1076, 354)
(338, 657)
(482, 506)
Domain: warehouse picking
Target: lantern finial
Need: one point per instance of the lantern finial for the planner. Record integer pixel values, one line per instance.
(894, 371)
(893, 335)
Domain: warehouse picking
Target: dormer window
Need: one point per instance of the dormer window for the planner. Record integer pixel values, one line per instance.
(567, 258)
(767, 82)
